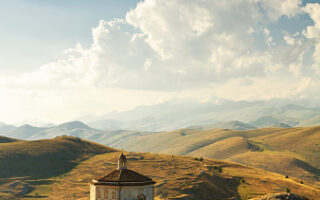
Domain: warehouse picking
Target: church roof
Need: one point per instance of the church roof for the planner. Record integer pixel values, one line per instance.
(123, 177)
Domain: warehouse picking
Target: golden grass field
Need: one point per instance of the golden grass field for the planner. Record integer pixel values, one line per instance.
(178, 177)
(25, 165)
(62, 168)
(291, 151)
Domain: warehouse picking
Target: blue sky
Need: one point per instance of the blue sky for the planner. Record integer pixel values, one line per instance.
(34, 32)
(63, 59)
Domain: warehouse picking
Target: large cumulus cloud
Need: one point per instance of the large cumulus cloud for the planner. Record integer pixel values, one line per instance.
(182, 45)
(170, 45)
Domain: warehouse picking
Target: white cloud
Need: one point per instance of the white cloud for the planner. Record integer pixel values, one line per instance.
(163, 49)
(267, 36)
(265, 89)
(293, 39)
(166, 45)
(313, 9)
(316, 58)
(313, 32)
(276, 8)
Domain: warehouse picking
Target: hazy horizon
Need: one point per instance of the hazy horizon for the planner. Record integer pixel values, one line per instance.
(63, 60)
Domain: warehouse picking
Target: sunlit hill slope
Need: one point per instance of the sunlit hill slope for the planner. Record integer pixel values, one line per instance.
(61, 168)
(291, 151)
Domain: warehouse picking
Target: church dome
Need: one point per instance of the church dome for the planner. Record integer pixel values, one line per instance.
(123, 176)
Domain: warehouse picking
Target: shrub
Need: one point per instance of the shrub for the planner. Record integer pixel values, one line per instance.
(288, 190)
(163, 192)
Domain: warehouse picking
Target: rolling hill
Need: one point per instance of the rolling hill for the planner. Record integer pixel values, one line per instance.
(177, 114)
(61, 168)
(295, 150)
(23, 132)
(73, 128)
(24, 164)
(6, 127)
(234, 125)
(32, 158)
(183, 178)
(7, 140)
(281, 125)
(28, 132)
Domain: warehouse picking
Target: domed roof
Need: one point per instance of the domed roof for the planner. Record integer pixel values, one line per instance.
(123, 177)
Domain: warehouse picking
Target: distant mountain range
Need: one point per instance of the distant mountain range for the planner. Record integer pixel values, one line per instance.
(73, 128)
(180, 114)
(176, 114)
(234, 125)
(115, 128)
(6, 127)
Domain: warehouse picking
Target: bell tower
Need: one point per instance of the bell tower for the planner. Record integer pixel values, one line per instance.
(122, 184)
(122, 162)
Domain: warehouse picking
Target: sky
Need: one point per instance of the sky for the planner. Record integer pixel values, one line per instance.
(60, 60)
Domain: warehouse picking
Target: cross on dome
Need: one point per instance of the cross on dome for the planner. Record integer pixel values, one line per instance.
(122, 162)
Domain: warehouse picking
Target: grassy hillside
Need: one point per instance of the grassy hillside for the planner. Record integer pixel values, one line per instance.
(7, 140)
(25, 164)
(59, 169)
(292, 151)
(35, 158)
(180, 177)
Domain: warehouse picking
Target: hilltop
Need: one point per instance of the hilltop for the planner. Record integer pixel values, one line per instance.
(7, 140)
(28, 132)
(32, 158)
(181, 177)
(177, 114)
(6, 127)
(291, 151)
(24, 162)
(234, 125)
(61, 168)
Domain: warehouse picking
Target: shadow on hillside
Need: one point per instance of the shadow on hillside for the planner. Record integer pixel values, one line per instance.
(307, 167)
(42, 159)
(35, 197)
(217, 187)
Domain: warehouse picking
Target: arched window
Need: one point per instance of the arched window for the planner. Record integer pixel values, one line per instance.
(142, 197)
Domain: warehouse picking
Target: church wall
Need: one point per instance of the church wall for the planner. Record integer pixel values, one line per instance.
(132, 192)
(101, 192)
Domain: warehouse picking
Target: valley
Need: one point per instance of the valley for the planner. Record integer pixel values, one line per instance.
(270, 160)
(289, 151)
(177, 177)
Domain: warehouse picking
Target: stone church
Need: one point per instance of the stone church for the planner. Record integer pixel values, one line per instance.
(122, 184)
